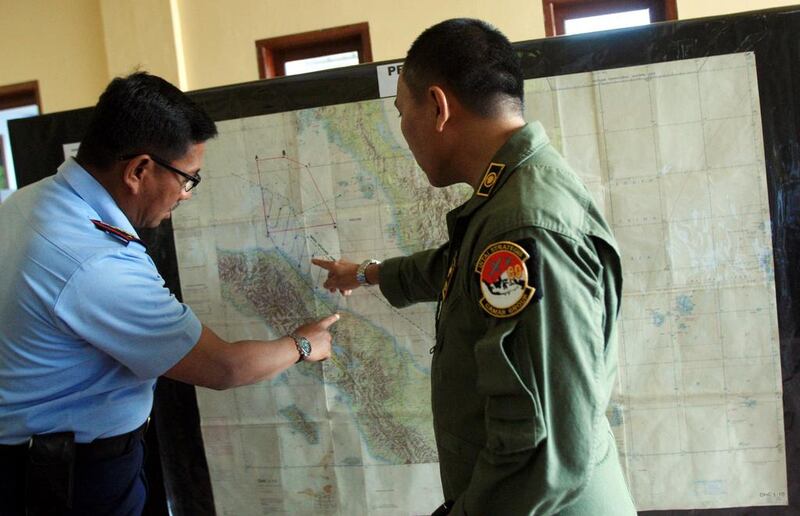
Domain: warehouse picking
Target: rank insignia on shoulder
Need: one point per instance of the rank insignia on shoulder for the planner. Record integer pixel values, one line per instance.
(116, 232)
(490, 179)
(506, 285)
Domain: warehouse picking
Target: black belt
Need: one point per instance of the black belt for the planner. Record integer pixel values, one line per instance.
(97, 450)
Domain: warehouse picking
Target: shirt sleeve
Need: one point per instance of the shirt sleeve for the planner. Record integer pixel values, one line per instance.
(542, 373)
(118, 303)
(416, 278)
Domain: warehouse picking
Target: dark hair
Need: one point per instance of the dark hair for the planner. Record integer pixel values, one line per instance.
(143, 113)
(471, 58)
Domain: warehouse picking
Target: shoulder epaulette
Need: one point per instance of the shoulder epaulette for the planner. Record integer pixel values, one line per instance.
(116, 232)
(490, 178)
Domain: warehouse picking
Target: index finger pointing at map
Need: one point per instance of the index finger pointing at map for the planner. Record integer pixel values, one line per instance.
(328, 321)
(325, 264)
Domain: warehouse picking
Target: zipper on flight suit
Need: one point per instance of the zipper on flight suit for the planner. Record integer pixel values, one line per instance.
(442, 297)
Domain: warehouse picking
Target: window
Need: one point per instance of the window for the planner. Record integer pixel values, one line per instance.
(315, 50)
(578, 16)
(16, 101)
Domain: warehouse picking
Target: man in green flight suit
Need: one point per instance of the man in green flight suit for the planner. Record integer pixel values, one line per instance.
(529, 286)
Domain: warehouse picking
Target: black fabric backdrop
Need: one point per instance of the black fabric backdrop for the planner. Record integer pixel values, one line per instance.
(771, 34)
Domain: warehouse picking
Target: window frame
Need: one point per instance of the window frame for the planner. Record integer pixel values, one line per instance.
(14, 96)
(20, 94)
(556, 11)
(273, 53)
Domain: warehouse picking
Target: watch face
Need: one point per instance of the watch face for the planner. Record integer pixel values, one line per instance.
(305, 346)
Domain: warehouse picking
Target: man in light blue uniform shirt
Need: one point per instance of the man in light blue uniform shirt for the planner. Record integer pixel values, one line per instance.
(68, 341)
(86, 323)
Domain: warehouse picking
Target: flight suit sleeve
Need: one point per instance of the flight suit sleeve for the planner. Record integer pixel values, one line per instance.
(415, 278)
(542, 373)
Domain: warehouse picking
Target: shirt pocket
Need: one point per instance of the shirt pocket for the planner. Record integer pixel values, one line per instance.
(514, 419)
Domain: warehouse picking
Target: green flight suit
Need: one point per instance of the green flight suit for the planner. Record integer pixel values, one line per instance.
(519, 401)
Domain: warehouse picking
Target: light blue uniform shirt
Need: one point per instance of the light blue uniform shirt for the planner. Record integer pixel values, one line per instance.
(86, 324)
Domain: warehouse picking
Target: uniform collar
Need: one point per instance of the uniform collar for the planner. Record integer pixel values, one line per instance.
(95, 195)
(523, 144)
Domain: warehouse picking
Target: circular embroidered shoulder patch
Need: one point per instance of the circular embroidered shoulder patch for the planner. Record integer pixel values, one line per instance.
(504, 279)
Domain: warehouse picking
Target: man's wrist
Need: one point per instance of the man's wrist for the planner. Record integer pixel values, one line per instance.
(303, 346)
(361, 273)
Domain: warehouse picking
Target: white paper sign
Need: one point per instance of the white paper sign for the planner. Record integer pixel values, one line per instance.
(387, 79)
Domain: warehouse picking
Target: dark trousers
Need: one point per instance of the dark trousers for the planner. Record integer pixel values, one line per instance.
(113, 486)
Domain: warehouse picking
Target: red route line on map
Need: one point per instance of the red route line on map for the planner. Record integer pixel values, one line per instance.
(312, 180)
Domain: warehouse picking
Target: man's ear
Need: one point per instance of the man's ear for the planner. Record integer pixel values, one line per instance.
(442, 102)
(134, 171)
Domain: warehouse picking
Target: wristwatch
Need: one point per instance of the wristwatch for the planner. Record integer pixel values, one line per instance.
(303, 346)
(361, 272)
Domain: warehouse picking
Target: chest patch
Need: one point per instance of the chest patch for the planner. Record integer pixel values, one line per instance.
(504, 279)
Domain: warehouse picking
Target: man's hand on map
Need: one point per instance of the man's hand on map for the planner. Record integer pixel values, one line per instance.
(317, 333)
(341, 275)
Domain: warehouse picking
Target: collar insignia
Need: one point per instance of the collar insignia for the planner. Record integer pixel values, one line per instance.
(116, 232)
(504, 279)
(490, 179)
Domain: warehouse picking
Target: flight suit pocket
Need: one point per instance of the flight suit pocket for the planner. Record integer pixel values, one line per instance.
(460, 449)
(514, 419)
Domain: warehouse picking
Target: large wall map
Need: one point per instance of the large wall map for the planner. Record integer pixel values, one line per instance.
(672, 153)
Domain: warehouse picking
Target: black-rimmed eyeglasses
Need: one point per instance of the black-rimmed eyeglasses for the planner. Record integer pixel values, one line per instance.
(189, 181)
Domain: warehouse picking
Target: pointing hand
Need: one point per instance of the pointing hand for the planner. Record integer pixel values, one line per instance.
(320, 337)
(341, 275)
